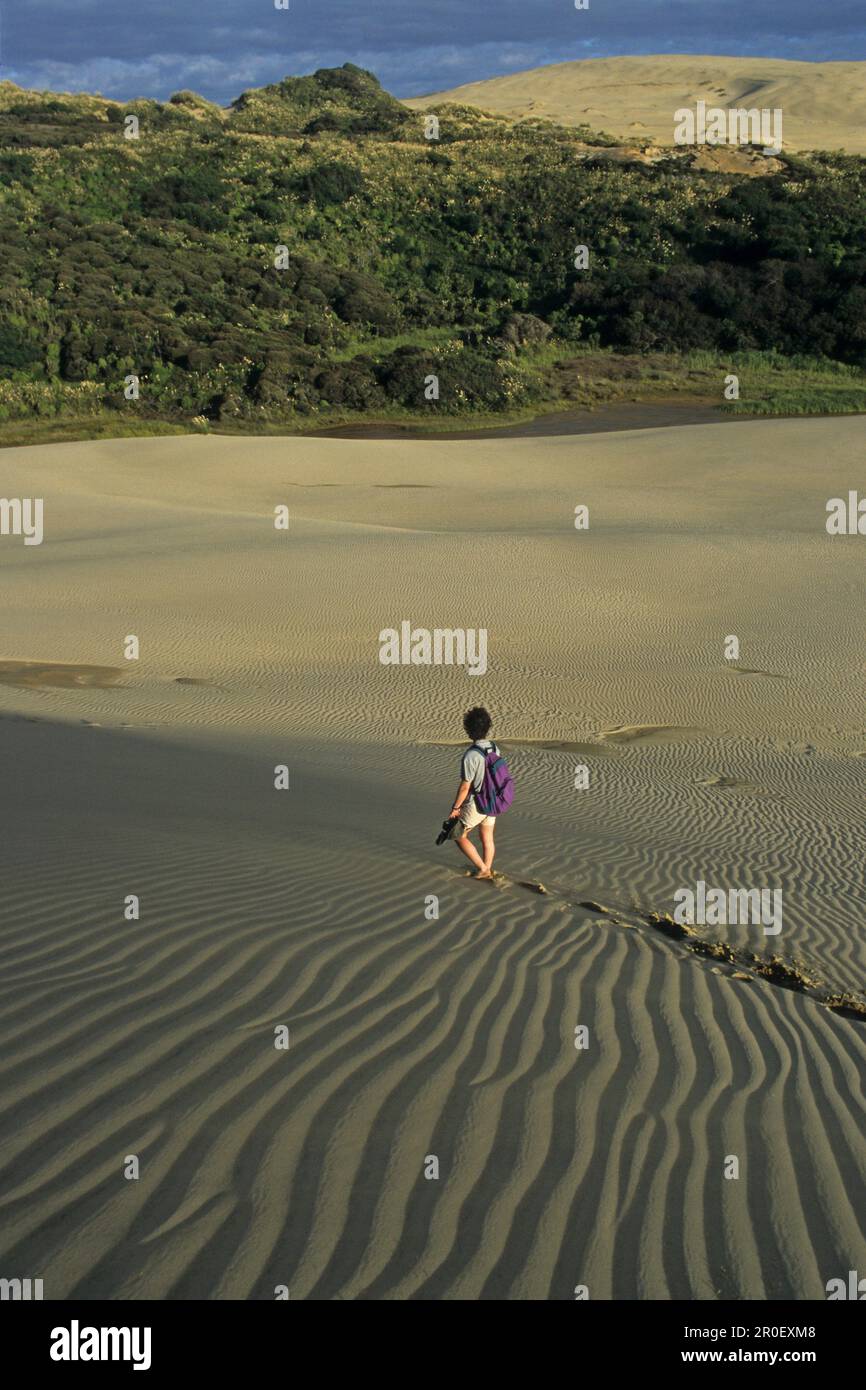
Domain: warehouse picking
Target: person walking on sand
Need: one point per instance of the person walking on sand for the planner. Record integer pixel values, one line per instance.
(485, 780)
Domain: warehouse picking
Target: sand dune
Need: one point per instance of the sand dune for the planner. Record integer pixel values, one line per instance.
(824, 104)
(454, 1036)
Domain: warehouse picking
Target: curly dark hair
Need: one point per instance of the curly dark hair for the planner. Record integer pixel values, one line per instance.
(477, 722)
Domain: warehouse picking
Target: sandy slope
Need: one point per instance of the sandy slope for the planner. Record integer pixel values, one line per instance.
(412, 1037)
(824, 104)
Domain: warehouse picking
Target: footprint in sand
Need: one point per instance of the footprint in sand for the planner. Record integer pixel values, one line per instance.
(726, 783)
(735, 963)
(200, 681)
(499, 880)
(754, 671)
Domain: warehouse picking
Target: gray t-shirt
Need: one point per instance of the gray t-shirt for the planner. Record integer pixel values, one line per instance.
(472, 765)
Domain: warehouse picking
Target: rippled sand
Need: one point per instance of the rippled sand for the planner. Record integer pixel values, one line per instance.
(412, 1035)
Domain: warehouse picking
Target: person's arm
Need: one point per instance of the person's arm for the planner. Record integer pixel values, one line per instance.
(462, 793)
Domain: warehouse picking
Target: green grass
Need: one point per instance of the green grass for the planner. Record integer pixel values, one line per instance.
(380, 347)
(815, 402)
(773, 385)
(769, 383)
(586, 379)
(109, 426)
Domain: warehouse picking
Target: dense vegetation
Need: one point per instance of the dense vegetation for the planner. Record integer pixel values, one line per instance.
(405, 257)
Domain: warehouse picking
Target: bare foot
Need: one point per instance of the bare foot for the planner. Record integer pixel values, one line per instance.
(484, 873)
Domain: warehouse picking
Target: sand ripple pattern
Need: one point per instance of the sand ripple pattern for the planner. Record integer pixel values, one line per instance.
(408, 1038)
(412, 1035)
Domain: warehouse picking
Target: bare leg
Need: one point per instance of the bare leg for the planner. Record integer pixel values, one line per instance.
(465, 844)
(487, 845)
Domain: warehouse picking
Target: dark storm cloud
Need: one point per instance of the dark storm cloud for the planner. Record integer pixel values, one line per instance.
(218, 47)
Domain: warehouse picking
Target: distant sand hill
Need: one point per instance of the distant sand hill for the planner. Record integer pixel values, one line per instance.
(824, 104)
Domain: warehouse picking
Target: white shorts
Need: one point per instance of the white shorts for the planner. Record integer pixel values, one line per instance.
(470, 816)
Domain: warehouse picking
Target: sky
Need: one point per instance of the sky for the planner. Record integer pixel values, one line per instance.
(129, 48)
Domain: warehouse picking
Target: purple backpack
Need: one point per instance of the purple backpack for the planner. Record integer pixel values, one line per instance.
(497, 788)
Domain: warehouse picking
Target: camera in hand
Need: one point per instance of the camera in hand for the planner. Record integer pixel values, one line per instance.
(447, 829)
